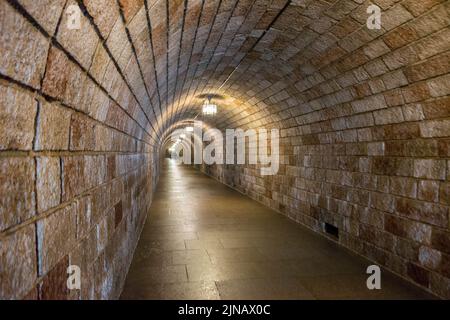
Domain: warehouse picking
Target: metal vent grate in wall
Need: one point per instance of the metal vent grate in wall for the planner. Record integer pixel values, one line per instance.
(331, 230)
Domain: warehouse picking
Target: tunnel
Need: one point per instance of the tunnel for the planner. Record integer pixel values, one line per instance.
(92, 93)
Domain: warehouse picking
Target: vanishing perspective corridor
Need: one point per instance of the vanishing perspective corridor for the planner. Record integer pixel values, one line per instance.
(204, 240)
(314, 136)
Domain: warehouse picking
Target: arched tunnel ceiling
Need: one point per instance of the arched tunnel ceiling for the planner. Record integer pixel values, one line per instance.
(188, 48)
(259, 54)
(275, 62)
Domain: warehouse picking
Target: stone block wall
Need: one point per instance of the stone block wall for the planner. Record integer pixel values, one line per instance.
(365, 130)
(78, 162)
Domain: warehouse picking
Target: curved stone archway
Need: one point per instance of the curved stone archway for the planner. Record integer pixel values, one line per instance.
(90, 89)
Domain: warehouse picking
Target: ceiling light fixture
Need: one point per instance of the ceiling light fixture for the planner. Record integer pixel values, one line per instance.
(209, 108)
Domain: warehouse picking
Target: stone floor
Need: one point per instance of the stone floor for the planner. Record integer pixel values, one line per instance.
(203, 240)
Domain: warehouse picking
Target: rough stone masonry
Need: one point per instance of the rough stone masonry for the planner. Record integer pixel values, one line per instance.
(364, 117)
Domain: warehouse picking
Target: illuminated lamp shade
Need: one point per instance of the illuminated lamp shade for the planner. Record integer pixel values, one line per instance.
(209, 108)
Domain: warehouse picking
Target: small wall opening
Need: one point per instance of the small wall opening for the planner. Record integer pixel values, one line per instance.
(331, 230)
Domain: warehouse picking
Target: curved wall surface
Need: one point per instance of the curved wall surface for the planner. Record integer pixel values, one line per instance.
(90, 89)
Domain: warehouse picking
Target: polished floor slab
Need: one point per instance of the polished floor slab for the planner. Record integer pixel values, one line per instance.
(203, 240)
